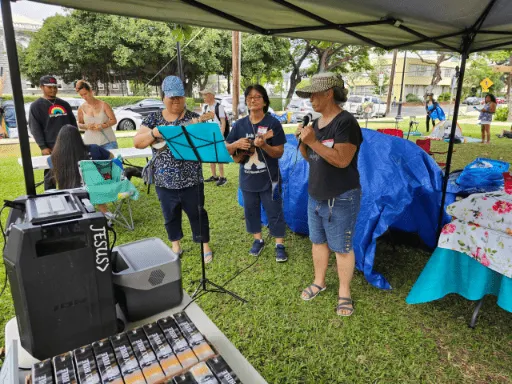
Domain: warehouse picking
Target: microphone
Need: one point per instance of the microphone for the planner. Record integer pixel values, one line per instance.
(305, 122)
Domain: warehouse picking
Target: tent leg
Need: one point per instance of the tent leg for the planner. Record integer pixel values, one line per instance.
(17, 95)
(472, 324)
(452, 139)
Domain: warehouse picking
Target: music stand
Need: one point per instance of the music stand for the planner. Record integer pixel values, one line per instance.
(202, 143)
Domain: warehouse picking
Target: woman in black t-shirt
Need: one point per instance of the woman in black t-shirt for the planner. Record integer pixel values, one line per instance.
(331, 146)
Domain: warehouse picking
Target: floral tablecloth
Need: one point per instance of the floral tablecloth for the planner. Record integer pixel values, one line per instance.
(482, 229)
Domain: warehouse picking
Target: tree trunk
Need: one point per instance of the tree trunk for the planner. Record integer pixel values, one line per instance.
(295, 79)
(323, 60)
(509, 84)
(229, 83)
(391, 81)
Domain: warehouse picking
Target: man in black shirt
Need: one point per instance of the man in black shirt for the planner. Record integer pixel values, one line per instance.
(47, 116)
(331, 146)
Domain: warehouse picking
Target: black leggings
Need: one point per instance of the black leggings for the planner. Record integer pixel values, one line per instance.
(428, 123)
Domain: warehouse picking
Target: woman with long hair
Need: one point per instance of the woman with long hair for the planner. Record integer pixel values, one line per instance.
(96, 118)
(68, 151)
(485, 117)
(262, 137)
(178, 183)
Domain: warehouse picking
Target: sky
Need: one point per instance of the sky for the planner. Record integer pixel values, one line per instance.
(35, 11)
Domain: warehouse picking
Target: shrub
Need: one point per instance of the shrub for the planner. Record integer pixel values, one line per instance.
(444, 96)
(501, 114)
(412, 98)
(276, 103)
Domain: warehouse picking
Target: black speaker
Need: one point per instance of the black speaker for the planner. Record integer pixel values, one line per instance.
(57, 259)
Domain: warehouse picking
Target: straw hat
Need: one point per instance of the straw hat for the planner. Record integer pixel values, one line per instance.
(321, 82)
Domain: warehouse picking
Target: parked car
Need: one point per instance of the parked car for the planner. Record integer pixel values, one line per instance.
(145, 107)
(300, 108)
(75, 103)
(227, 103)
(355, 103)
(500, 100)
(127, 120)
(472, 100)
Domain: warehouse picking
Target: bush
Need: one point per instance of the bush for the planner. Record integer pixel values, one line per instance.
(444, 96)
(412, 98)
(501, 114)
(276, 103)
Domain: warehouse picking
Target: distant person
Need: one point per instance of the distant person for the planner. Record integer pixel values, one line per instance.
(434, 111)
(69, 149)
(47, 116)
(485, 117)
(505, 133)
(212, 105)
(393, 104)
(96, 118)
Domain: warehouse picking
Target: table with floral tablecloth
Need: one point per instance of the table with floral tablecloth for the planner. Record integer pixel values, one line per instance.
(474, 253)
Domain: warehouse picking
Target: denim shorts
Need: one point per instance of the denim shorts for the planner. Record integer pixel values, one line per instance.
(333, 221)
(110, 145)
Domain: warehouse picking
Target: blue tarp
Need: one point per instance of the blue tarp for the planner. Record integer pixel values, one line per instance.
(401, 187)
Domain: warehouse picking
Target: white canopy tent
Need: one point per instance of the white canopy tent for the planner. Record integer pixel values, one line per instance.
(462, 26)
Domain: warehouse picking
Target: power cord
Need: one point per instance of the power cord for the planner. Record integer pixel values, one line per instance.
(3, 249)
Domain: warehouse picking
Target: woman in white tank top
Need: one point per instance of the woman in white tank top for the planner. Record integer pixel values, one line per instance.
(96, 118)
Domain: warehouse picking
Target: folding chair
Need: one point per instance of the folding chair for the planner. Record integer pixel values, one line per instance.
(392, 132)
(425, 144)
(105, 182)
(413, 123)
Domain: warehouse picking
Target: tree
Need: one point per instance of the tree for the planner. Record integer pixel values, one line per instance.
(264, 58)
(374, 75)
(336, 57)
(504, 57)
(441, 58)
(479, 68)
(300, 50)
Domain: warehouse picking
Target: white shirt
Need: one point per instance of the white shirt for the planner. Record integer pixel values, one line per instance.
(211, 108)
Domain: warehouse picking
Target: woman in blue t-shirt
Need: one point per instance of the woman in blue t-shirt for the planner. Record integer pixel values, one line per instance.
(257, 142)
(69, 149)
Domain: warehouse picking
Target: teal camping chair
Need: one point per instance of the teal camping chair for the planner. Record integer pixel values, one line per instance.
(105, 182)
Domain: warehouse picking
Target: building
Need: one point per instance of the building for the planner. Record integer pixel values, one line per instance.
(23, 28)
(417, 79)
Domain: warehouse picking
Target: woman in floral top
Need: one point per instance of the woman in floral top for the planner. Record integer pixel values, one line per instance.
(178, 183)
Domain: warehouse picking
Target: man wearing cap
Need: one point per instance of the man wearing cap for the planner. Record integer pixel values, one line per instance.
(331, 145)
(47, 116)
(211, 105)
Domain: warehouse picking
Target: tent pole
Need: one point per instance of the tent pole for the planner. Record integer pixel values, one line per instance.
(458, 96)
(17, 95)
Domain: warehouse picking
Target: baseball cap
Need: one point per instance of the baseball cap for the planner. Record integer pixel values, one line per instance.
(172, 86)
(207, 91)
(48, 80)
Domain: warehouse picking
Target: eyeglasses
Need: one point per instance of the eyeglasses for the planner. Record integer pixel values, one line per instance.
(254, 98)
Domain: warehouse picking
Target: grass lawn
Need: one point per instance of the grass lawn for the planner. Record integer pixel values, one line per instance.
(291, 341)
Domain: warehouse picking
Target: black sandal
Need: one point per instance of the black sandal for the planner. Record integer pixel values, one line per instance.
(343, 303)
(309, 292)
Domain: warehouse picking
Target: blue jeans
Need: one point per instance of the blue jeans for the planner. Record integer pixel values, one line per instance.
(174, 201)
(273, 209)
(111, 145)
(333, 221)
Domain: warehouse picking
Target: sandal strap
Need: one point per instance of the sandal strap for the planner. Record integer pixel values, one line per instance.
(345, 301)
(309, 290)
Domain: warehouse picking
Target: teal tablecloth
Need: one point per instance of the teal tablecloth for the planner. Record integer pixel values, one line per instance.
(454, 272)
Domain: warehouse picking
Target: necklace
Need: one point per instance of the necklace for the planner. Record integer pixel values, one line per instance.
(48, 100)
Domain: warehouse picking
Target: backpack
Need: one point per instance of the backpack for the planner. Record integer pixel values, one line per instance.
(217, 113)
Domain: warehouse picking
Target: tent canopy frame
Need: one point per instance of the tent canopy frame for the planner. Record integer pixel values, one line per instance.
(465, 47)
